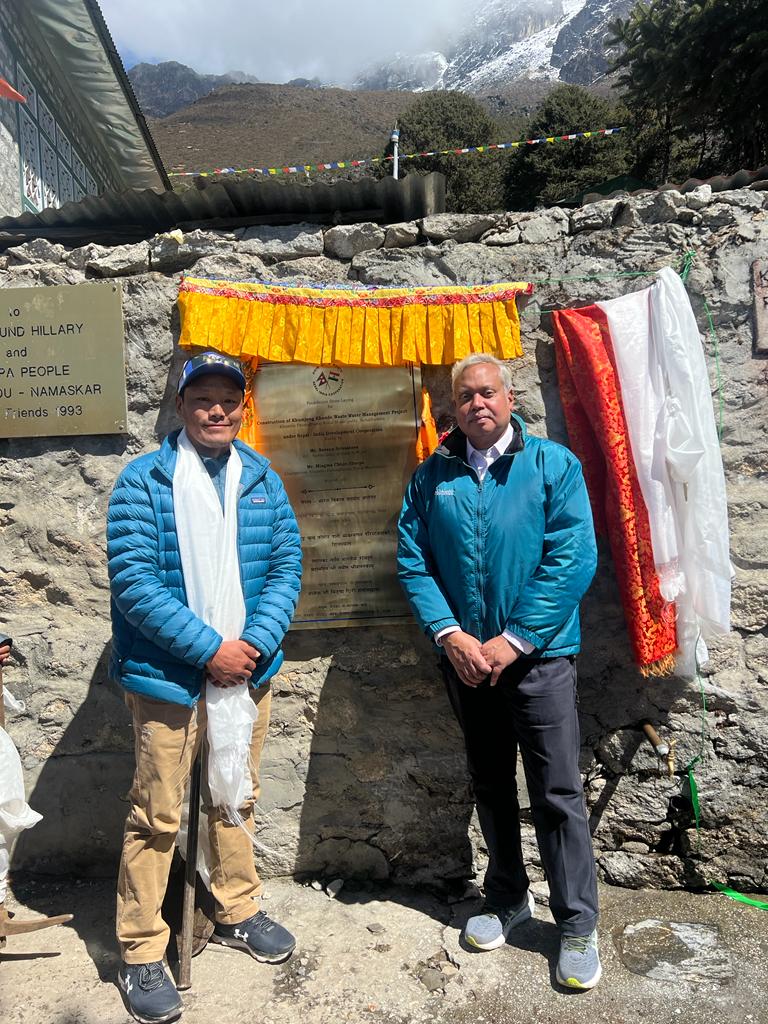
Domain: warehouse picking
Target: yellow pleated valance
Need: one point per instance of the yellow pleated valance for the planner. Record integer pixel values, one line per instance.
(350, 327)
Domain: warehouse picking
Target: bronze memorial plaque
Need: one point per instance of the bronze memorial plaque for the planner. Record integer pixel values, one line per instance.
(343, 441)
(62, 367)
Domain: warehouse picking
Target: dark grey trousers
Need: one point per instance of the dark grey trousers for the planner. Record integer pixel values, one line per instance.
(533, 706)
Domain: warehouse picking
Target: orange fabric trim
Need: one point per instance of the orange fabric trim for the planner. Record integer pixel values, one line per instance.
(351, 327)
(594, 414)
(426, 439)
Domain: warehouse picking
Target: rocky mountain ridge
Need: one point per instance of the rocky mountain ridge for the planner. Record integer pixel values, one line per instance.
(163, 88)
(556, 40)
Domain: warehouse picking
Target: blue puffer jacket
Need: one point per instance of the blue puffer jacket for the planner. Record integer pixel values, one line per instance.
(515, 552)
(159, 646)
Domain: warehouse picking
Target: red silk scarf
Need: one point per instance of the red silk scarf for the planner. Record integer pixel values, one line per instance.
(597, 429)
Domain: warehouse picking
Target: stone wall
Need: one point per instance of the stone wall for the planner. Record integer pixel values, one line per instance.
(363, 773)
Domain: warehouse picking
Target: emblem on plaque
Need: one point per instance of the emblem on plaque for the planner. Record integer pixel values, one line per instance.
(327, 380)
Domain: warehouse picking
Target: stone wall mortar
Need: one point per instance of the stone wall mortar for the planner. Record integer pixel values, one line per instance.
(363, 773)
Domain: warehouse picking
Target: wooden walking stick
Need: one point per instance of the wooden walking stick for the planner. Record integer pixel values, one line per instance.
(4, 640)
(8, 924)
(186, 937)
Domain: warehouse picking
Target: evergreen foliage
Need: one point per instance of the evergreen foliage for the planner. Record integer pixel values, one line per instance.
(453, 120)
(693, 81)
(696, 72)
(550, 172)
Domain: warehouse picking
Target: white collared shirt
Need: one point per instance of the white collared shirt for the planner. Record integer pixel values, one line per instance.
(481, 461)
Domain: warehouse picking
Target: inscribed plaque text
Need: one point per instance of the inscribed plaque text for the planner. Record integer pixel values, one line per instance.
(62, 368)
(342, 440)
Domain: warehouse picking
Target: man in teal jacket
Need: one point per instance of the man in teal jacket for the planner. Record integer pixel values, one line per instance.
(496, 550)
(164, 651)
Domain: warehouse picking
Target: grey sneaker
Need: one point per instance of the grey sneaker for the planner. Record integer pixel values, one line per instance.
(578, 965)
(149, 994)
(489, 929)
(261, 937)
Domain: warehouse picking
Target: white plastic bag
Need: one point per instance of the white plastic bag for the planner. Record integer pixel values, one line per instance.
(15, 813)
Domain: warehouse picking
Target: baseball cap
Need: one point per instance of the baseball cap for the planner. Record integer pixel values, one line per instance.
(211, 362)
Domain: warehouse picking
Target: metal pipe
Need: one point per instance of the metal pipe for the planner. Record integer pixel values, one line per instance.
(395, 140)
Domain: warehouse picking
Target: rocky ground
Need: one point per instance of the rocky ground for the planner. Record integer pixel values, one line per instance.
(394, 956)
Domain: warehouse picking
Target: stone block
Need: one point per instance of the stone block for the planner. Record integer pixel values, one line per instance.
(744, 198)
(594, 216)
(347, 240)
(78, 258)
(635, 871)
(399, 268)
(38, 250)
(760, 293)
(545, 227)
(315, 269)
(749, 600)
(508, 236)
(120, 261)
(174, 251)
(461, 227)
(664, 208)
(288, 242)
(718, 215)
(688, 216)
(231, 265)
(699, 197)
(401, 236)
(26, 275)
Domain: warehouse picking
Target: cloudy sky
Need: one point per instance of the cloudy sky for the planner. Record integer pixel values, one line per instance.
(277, 41)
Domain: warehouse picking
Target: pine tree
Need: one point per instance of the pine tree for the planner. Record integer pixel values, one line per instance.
(549, 172)
(697, 72)
(453, 120)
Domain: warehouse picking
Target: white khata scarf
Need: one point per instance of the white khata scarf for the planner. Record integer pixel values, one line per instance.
(667, 402)
(209, 562)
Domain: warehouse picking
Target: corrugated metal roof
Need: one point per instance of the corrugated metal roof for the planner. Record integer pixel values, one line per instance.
(134, 215)
(724, 182)
(82, 51)
(757, 180)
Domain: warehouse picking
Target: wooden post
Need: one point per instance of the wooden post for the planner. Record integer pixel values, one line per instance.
(190, 878)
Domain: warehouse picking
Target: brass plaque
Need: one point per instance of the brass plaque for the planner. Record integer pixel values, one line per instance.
(62, 368)
(343, 441)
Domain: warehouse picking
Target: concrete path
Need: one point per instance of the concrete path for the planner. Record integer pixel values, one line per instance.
(395, 957)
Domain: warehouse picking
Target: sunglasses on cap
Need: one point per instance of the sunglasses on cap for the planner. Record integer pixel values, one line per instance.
(211, 363)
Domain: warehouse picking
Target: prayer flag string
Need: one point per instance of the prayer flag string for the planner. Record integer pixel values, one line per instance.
(341, 165)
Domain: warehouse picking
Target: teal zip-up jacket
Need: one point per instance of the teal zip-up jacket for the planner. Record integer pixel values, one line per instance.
(159, 646)
(514, 552)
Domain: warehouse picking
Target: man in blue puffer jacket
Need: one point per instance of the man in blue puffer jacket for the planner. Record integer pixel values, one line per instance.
(496, 550)
(162, 654)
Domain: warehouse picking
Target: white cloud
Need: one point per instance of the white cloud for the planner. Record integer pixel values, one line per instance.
(330, 39)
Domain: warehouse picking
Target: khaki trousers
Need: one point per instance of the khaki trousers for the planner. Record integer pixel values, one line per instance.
(167, 738)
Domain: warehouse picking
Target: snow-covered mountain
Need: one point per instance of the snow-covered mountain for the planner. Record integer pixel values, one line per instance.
(507, 40)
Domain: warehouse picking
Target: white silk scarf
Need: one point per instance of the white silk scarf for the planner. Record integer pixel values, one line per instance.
(695, 468)
(211, 568)
(667, 403)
